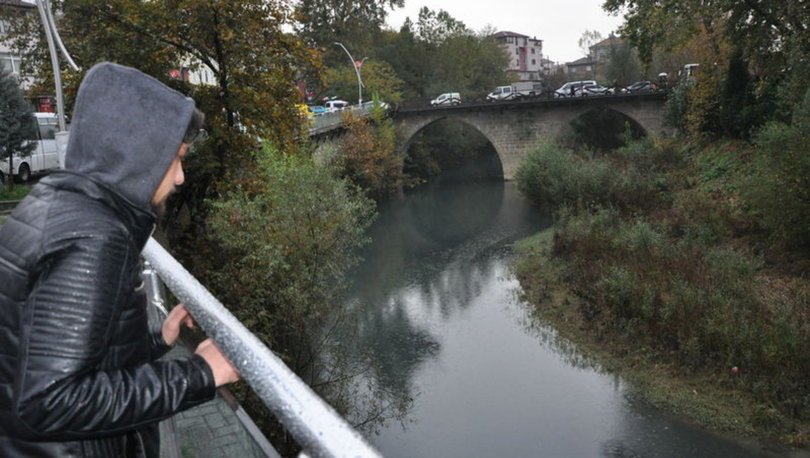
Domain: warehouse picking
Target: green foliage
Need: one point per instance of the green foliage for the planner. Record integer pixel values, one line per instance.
(623, 67)
(356, 24)
(438, 54)
(368, 155)
(17, 123)
(289, 238)
(778, 189)
(736, 99)
(698, 303)
(378, 78)
(554, 176)
(253, 93)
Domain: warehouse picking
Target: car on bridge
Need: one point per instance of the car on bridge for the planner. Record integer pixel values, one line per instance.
(640, 87)
(448, 98)
(335, 105)
(571, 88)
(317, 110)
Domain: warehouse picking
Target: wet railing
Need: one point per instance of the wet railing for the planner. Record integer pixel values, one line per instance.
(316, 427)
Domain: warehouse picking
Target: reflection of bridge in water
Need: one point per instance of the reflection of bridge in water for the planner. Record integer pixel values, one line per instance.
(513, 128)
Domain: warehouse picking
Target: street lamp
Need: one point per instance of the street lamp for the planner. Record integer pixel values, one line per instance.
(356, 66)
(52, 35)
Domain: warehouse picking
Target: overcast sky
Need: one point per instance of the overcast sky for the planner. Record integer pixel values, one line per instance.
(559, 23)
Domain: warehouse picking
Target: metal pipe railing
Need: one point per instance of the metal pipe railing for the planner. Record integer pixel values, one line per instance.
(319, 430)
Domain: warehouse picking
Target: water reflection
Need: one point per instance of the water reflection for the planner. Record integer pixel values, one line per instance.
(462, 362)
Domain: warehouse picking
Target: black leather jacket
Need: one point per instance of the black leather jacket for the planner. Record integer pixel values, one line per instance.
(78, 376)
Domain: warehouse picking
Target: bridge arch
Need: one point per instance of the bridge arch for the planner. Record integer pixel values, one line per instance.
(514, 128)
(413, 131)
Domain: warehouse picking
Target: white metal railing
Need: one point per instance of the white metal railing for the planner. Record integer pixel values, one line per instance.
(319, 430)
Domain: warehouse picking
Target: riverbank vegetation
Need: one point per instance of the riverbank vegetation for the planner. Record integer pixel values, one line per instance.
(689, 257)
(685, 261)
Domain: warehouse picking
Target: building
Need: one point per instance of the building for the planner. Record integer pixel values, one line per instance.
(600, 52)
(10, 62)
(583, 68)
(525, 54)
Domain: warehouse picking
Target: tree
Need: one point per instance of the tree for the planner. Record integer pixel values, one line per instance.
(353, 23)
(378, 78)
(253, 94)
(773, 36)
(588, 39)
(622, 66)
(438, 55)
(17, 123)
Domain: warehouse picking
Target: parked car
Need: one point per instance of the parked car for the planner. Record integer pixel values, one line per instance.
(641, 87)
(448, 98)
(571, 88)
(335, 105)
(585, 91)
(43, 158)
(317, 110)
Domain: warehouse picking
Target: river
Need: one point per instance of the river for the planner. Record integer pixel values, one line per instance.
(451, 343)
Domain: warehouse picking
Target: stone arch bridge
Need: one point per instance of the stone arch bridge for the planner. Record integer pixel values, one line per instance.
(513, 128)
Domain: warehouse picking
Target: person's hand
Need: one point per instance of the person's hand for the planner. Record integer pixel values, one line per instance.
(223, 370)
(179, 316)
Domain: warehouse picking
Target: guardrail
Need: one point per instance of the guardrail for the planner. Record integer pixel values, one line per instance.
(6, 206)
(319, 430)
(330, 121)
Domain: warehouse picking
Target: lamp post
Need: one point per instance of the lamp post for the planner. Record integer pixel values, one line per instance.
(357, 72)
(52, 35)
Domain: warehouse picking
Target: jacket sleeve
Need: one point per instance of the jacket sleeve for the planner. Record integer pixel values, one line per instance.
(157, 346)
(59, 394)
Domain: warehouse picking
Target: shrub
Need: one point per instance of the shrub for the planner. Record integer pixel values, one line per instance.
(285, 241)
(554, 176)
(700, 305)
(778, 190)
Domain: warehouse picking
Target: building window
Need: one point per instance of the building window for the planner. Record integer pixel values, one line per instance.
(508, 39)
(533, 62)
(532, 50)
(9, 64)
(517, 51)
(517, 63)
(588, 68)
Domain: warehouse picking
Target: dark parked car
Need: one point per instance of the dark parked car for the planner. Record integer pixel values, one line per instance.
(640, 87)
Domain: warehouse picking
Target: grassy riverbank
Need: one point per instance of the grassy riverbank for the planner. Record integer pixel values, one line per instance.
(662, 262)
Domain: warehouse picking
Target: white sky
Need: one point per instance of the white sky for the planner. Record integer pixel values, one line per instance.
(559, 23)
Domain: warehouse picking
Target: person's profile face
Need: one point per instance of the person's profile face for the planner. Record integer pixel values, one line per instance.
(174, 177)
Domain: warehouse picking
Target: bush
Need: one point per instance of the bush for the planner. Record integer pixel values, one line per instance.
(701, 305)
(286, 241)
(778, 190)
(554, 176)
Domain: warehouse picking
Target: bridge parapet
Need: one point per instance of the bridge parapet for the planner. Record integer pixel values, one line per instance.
(514, 128)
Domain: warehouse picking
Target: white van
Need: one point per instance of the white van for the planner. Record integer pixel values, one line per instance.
(449, 98)
(43, 158)
(573, 88)
(335, 105)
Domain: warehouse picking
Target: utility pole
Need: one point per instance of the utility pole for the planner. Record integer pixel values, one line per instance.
(52, 35)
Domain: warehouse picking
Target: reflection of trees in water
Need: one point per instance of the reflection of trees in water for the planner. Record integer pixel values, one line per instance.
(534, 323)
(431, 256)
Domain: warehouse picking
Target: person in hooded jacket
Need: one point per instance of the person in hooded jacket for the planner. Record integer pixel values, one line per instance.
(79, 375)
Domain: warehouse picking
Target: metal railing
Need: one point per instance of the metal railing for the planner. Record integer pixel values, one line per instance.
(329, 121)
(318, 429)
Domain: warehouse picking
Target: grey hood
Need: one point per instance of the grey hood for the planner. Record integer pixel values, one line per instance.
(126, 129)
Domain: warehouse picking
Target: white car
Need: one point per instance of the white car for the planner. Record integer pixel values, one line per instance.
(335, 105)
(448, 98)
